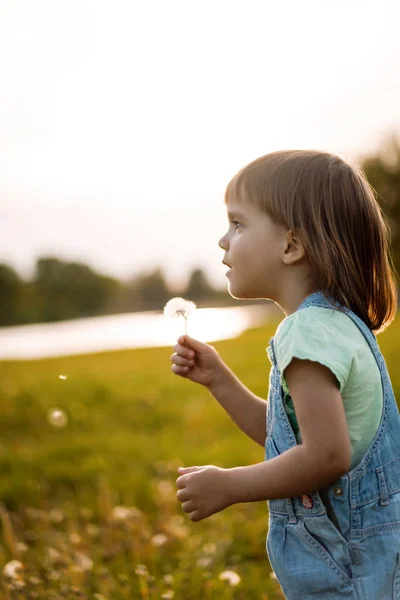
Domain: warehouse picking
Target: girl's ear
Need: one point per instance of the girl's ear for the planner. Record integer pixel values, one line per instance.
(293, 249)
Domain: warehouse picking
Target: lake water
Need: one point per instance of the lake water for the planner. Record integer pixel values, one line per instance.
(130, 330)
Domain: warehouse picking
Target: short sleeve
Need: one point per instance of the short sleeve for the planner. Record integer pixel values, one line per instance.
(317, 334)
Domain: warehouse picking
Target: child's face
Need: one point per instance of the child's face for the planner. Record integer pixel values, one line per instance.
(254, 246)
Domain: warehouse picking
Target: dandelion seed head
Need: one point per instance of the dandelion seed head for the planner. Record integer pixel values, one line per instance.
(159, 539)
(63, 376)
(230, 576)
(13, 569)
(142, 571)
(168, 594)
(83, 561)
(123, 513)
(179, 307)
(169, 579)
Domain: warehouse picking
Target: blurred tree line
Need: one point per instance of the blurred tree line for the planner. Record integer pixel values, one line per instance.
(63, 290)
(67, 290)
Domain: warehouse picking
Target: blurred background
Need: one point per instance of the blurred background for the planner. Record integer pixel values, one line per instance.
(121, 124)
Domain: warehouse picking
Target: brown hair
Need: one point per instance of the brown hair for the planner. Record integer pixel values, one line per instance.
(333, 210)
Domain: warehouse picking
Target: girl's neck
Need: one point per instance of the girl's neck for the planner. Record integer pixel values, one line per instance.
(292, 296)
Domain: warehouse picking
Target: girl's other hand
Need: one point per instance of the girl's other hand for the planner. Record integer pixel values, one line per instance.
(204, 491)
(196, 361)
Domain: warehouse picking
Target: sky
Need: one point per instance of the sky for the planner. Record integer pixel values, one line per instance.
(121, 123)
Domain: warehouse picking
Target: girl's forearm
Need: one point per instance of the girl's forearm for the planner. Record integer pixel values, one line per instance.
(293, 473)
(247, 410)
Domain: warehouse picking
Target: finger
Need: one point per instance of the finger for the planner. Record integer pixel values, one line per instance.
(183, 351)
(185, 470)
(181, 482)
(188, 506)
(182, 495)
(181, 360)
(195, 516)
(191, 343)
(180, 370)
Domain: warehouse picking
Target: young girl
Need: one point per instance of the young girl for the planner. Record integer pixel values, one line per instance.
(306, 232)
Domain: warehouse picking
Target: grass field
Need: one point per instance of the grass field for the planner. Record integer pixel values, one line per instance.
(90, 508)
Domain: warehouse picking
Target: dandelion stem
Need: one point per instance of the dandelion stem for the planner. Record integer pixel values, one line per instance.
(185, 317)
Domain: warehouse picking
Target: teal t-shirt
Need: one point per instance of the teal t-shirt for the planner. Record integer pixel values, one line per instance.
(330, 337)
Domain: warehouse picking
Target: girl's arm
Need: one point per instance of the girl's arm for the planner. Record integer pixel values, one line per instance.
(323, 456)
(247, 410)
(325, 452)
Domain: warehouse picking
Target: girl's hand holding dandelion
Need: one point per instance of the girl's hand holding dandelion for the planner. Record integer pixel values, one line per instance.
(193, 359)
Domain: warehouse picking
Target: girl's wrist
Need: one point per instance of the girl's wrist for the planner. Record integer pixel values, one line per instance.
(219, 380)
(236, 490)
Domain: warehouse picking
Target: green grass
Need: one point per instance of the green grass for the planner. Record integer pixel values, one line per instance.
(131, 423)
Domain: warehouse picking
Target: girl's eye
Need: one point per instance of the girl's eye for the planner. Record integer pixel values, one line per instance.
(236, 224)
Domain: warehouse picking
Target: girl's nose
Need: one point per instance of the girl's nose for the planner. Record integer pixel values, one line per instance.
(223, 243)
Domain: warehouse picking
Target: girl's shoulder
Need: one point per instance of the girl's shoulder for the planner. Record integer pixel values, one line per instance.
(325, 335)
(314, 321)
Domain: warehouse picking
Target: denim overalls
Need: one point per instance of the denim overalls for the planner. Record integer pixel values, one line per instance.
(343, 541)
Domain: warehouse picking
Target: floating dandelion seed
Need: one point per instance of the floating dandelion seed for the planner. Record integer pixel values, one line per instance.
(230, 576)
(62, 376)
(57, 417)
(179, 307)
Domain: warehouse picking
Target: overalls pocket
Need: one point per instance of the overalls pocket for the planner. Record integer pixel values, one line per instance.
(396, 580)
(325, 541)
(271, 449)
